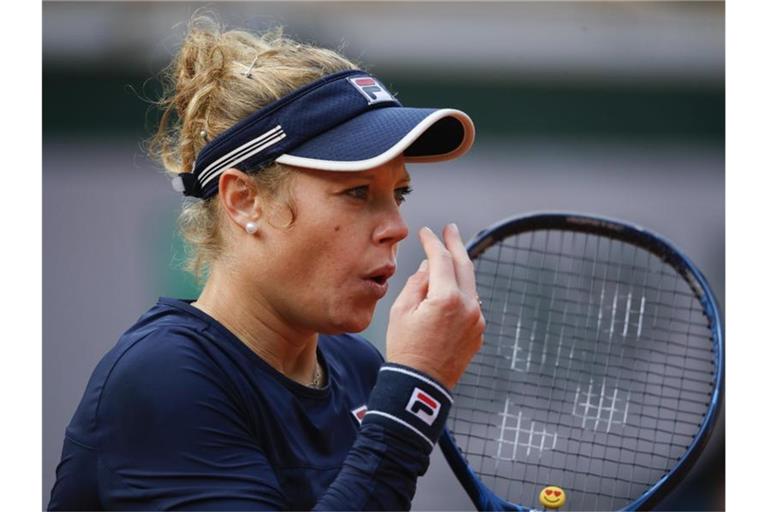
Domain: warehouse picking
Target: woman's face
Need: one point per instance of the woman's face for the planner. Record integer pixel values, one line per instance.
(327, 271)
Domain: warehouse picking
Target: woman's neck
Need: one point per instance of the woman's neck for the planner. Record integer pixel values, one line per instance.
(250, 317)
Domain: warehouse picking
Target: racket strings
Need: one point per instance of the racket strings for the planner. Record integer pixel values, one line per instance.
(647, 303)
(595, 372)
(704, 353)
(696, 398)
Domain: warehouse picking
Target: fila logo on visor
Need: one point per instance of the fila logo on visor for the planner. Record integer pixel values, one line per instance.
(423, 406)
(371, 89)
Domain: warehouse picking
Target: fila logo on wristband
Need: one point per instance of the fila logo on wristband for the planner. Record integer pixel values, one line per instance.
(371, 89)
(359, 413)
(423, 406)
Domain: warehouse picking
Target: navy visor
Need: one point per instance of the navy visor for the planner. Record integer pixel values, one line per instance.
(343, 122)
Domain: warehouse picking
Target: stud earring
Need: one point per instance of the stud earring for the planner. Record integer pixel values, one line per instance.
(251, 227)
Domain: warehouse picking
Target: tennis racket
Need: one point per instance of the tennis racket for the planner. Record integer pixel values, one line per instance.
(600, 373)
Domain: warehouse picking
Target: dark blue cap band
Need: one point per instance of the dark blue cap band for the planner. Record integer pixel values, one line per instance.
(260, 138)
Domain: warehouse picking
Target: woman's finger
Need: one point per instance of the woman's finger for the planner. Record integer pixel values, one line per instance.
(462, 265)
(442, 278)
(414, 291)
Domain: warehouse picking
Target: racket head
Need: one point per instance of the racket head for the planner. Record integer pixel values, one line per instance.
(617, 232)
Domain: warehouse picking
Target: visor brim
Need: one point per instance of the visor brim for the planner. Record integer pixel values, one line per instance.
(377, 136)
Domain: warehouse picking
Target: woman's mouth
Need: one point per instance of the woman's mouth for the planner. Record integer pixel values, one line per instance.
(379, 279)
(376, 281)
(377, 287)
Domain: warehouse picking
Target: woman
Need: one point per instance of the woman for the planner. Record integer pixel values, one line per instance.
(256, 395)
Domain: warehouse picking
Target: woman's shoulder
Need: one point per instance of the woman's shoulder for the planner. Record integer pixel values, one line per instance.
(162, 349)
(160, 339)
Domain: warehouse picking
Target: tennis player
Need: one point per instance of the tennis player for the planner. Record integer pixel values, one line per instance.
(258, 394)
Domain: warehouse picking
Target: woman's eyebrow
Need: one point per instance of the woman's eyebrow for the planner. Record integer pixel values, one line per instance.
(343, 177)
(369, 177)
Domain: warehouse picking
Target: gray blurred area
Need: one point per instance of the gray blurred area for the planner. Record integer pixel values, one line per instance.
(615, 109)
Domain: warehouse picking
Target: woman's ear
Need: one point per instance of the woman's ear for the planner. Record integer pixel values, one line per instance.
(239, 197)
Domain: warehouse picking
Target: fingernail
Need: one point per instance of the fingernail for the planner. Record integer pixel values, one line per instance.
(427, 228)
(454, 227)
(423, 266)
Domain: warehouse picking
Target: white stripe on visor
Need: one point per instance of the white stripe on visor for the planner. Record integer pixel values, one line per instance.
(225, 159)
(241, 153)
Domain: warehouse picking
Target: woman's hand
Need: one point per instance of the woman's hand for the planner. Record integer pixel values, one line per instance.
(436, 325)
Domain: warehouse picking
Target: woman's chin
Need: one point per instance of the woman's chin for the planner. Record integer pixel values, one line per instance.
(358, 321)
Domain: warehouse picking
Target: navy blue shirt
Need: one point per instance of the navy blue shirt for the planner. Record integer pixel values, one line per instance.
(180, 414)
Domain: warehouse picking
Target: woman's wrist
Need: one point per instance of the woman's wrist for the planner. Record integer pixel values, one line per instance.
(437, 371)
(410, 402)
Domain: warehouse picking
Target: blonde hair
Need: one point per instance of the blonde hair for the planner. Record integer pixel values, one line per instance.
(217, 78)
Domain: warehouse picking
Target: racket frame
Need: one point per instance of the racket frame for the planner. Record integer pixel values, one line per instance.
(479, 493)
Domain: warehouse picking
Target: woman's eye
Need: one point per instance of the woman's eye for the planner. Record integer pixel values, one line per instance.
(362, 193)
(358, 192)
(400, 194)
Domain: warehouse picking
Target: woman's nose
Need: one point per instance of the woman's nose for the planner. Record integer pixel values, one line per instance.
(391, 230)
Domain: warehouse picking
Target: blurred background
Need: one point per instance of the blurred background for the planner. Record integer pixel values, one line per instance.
(611, 108)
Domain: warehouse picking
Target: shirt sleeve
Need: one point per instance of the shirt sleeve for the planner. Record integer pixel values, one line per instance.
(407, 411)
(171, 437)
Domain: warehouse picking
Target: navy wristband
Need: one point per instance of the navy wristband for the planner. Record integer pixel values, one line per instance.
(409, 401)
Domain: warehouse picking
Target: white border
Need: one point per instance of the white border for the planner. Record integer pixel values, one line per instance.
(746, 249)
(21, 260)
